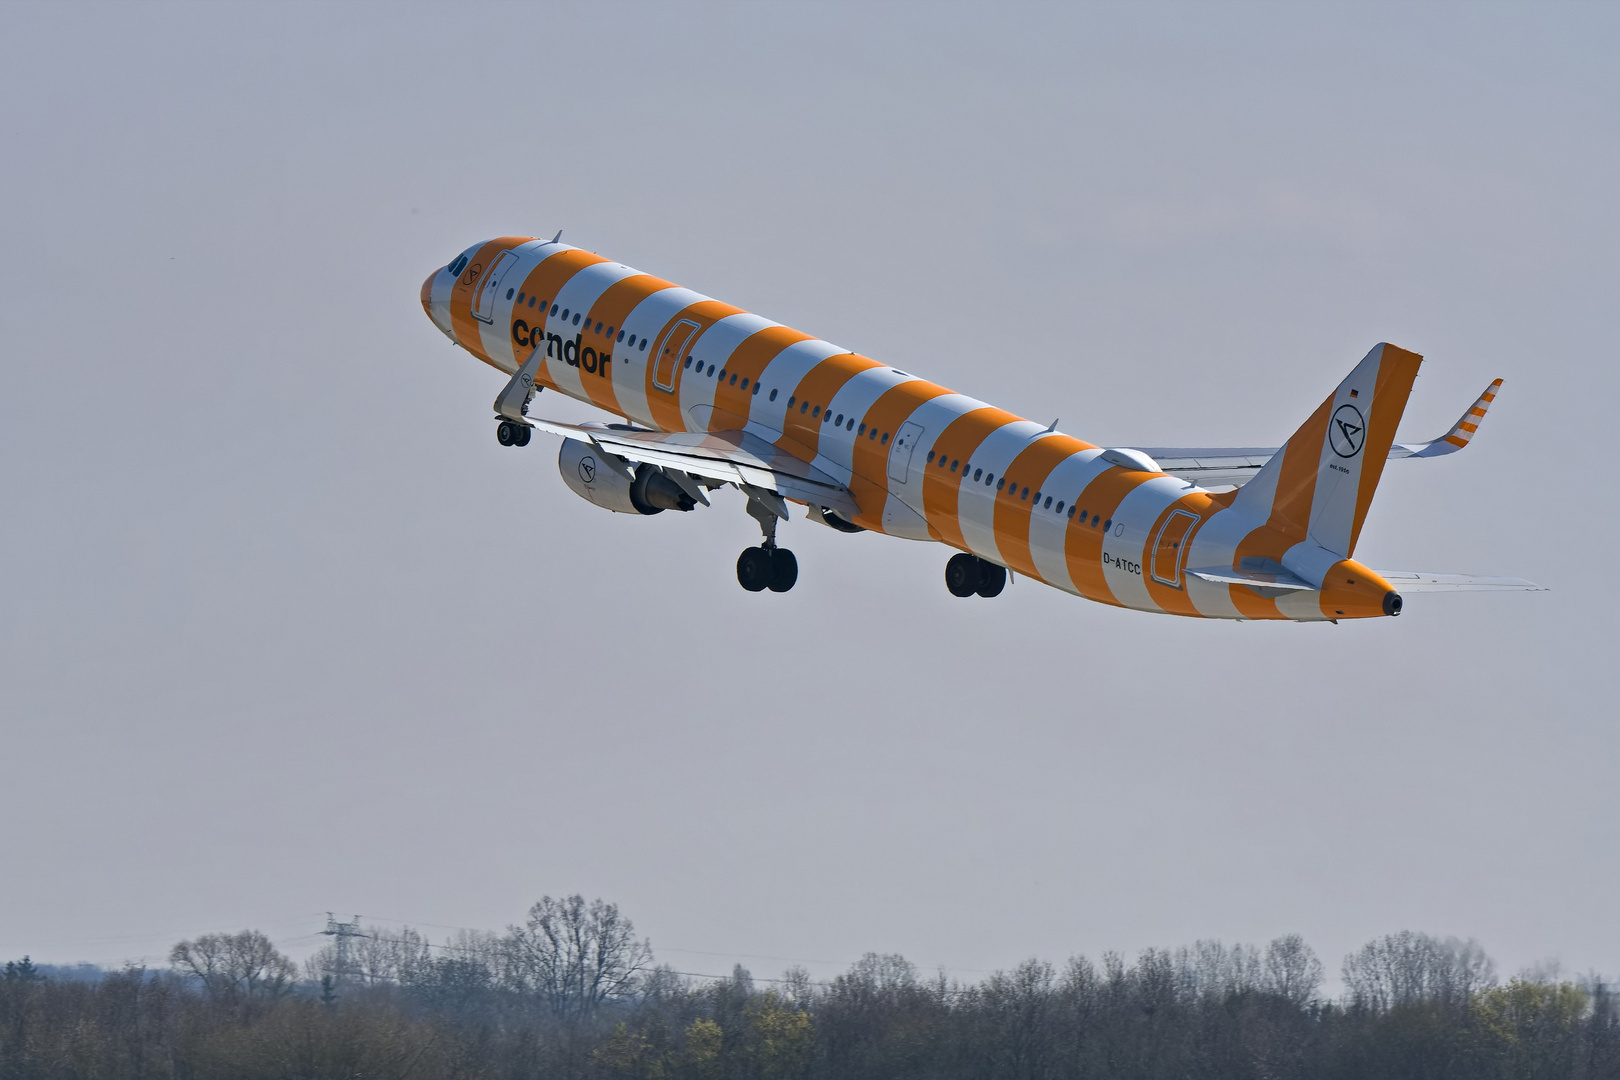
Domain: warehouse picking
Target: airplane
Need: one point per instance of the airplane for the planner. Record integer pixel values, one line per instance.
(710, 395)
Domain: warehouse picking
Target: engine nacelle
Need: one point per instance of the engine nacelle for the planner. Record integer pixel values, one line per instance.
(589, 477)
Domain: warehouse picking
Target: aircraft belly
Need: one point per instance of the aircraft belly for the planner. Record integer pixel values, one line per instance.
(1302, 606)
(900, 519)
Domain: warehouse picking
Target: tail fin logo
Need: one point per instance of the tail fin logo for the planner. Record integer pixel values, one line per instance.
(1347, 432)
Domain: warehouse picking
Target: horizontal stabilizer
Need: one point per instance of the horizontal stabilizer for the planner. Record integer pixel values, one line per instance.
(1255, 579)
(1211, 466)
(1406, 581)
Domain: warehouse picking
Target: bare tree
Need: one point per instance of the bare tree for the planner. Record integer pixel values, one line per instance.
(1210, 969)
(1407, 967)
(1292, 970)
(235, 966)
(574, 956)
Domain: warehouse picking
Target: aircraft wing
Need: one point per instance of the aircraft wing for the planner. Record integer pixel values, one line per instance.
(1215, 466)
(1406, 581)
(730, 457)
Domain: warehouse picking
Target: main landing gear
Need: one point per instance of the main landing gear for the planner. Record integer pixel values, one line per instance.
(969, 575)
(510, 433)
(767, 566)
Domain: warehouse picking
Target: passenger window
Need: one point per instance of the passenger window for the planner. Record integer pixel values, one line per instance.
(1107, 524)
(1001, 483)
(531, 301)
(520, 298)
(814, 412)
(1037, 496)
(885, 440)
(711, 370)
(509, 293)
(643, 345)
(773, 393)
(610, 331)
(757, 387)
(734, 381)
(621, 338)
(1060, 508)
(688, 362)
(1025, 495)
(851, 425)
(954, 464)
(977, 473)
(576, 318)
(804, 406)
(565, 314)
(840, 420)
(872, 434)
(1071, 511)
(863, 432)
(1048, 504)
(553, 309)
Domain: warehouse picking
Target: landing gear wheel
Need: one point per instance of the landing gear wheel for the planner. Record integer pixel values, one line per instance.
(506, 433)
(784, 570)
(523, 434)
(992, 578)
(962, 574)
(754, 569)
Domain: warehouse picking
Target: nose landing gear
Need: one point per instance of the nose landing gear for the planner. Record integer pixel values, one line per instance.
(767, 566)
(969, 575)
(512, 405)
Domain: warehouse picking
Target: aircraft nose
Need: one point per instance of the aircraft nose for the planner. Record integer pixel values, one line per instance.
(438, 310)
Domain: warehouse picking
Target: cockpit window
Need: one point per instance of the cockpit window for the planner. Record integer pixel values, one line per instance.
(457, 266)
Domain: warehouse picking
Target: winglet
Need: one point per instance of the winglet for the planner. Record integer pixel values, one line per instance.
(558, 237)
(1459, 435)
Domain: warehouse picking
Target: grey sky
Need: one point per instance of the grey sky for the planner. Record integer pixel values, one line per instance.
(282, 629)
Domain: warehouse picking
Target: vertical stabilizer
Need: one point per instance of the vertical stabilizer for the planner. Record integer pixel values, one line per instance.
(1318, 487)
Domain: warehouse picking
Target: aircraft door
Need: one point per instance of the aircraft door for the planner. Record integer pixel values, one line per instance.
(900, 454)
(1169, 547)
(670, 350)
(484, 306)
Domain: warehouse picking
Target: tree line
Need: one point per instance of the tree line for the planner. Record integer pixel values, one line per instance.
(572, 992)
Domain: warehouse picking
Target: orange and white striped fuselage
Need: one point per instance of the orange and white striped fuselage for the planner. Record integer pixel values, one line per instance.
(925, 463)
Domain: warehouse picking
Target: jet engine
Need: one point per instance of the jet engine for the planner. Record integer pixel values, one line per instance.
(594, 480)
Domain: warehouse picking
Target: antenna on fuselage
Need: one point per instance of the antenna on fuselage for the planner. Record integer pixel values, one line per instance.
(558, 237)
